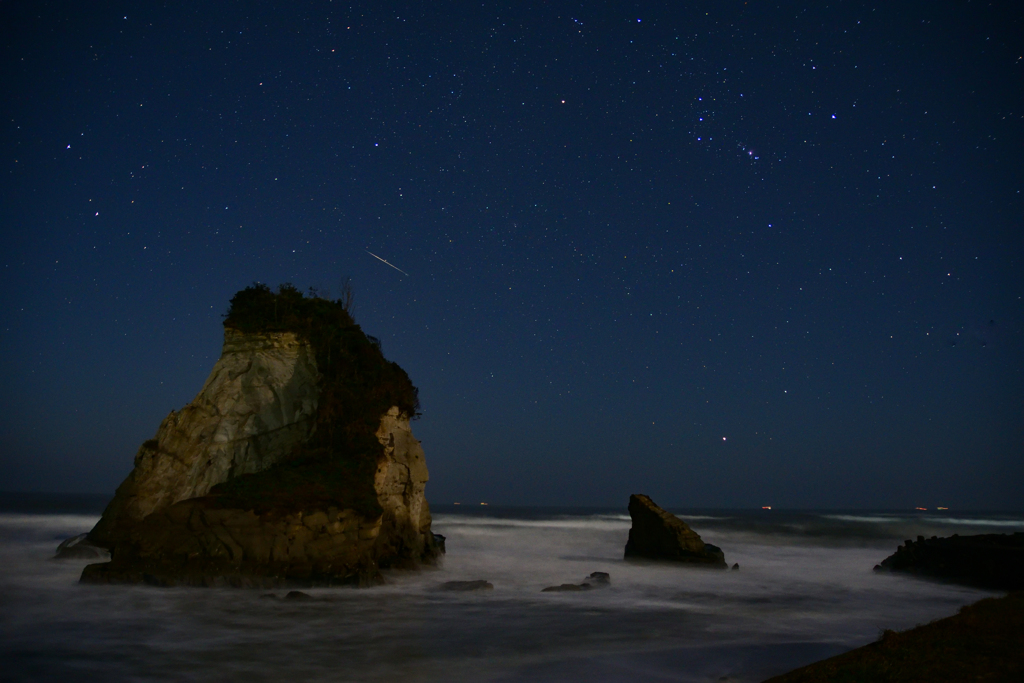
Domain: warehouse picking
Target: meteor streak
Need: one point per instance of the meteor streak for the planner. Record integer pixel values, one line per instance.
(384, 261)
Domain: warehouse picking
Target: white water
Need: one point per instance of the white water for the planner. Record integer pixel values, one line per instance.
(795, 599)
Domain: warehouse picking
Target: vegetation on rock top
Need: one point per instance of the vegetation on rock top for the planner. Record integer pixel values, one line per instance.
(335, 466)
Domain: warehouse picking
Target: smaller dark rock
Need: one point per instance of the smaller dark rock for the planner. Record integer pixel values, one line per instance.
(298, 595)
(79, 548)
(439, 540)
(462, 586)
(567, 588)
(657, 534)
(736, 567)
(595, 580)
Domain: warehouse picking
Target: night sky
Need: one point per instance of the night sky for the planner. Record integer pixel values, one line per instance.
(727, 254)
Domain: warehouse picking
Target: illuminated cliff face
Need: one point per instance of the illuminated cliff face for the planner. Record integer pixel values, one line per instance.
(400, 481)
(257, 404)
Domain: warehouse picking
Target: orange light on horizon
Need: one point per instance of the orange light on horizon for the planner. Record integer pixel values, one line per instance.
(483, 503)
(766, 507)
(920, 508)
(941, 508)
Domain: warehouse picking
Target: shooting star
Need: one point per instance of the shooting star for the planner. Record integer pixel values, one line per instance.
(384, 261)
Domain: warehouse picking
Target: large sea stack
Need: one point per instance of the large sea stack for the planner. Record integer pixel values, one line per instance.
(295, 464)
(657, 534)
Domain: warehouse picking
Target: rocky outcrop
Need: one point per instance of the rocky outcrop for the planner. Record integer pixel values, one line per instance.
(195, 542)
(660, 535)
(399, 482)
(288, 467)
(993, 561)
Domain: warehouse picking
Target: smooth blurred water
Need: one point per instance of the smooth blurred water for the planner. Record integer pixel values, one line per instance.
(805, 590)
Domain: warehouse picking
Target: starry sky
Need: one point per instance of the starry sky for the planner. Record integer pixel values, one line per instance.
(729, 254)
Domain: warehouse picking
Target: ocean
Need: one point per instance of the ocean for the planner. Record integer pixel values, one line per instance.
(805, 590)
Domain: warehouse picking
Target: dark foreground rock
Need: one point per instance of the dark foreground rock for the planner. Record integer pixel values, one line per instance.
(993, 561)
(983, 642)
(79, 548)
(660, 535)
(595, 580)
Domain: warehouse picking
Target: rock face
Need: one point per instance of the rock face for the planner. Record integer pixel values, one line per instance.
(993, 561)
(197, 543)
(273, 475)
(399, 481)
(660, 535)
(257, 405)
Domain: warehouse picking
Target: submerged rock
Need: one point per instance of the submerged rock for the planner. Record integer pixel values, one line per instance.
(295, 463)
(986, 560)
(660, 535)
(565, 588)
(79, 548)
(595, 580)
(462, 586)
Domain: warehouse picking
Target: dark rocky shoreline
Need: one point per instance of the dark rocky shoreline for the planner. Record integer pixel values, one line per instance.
(982, 642)
(993, 561)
